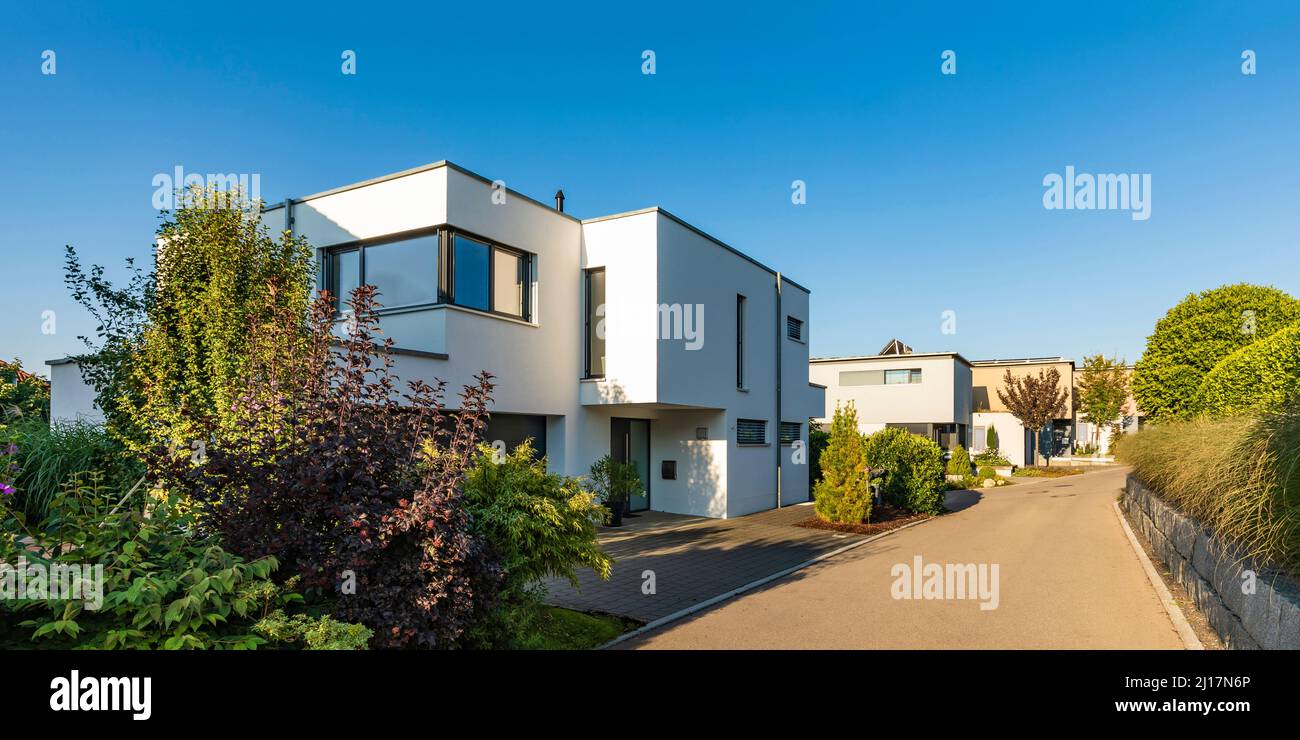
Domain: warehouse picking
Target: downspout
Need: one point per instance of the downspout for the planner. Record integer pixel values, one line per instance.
(777, 446)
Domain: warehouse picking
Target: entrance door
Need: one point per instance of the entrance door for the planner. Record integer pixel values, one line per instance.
(629, 442)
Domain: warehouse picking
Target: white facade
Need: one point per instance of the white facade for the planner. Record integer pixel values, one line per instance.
(670, 327)
(71, 397)
(929, 393)
(1013, 438)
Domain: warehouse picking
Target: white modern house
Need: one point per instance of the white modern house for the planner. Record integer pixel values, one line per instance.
(927, 393)
(636, 335)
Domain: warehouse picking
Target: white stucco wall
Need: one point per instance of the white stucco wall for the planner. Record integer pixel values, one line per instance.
(1011, 433)
(71, 397)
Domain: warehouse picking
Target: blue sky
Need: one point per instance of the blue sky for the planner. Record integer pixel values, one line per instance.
(924, 191)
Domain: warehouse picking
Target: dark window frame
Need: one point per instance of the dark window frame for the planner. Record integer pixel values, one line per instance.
(741, 302)
(781, 432)
(587, 328)
(445, 278)
(762, 424)
(795, 323)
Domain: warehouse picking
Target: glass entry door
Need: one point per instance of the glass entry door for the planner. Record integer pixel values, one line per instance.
(629, 442)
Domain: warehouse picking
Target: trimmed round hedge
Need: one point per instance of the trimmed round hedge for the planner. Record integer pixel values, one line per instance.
(1196, 335)
(1259, 377)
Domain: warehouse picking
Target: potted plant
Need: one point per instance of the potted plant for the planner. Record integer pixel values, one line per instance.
(614, 483)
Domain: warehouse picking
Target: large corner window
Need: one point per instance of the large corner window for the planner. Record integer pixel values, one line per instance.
(404, 272)
(595, 323)
(470, 260)
(437, 266)
(342, 276)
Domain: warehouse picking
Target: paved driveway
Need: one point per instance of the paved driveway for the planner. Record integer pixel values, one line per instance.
(1068, 578)
(693, 559)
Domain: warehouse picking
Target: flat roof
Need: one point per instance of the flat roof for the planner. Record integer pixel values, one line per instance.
(481, 178)
(870, 358)
(1024, 361)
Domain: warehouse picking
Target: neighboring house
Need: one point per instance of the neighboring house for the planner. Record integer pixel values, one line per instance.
(1014, 441)
(636, 335)
(926, 393)
(71, 397)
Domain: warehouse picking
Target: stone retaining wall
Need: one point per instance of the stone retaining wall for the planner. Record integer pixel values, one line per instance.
(1214, 575)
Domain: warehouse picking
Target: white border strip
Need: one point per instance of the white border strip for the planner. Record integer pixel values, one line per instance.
(1181, 625)
(656, 624)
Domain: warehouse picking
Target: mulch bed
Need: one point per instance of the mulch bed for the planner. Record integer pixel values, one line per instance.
(884, 518)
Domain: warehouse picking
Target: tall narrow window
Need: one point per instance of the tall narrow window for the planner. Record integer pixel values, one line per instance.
(595, 323)
(509, 283)
(740, 341)
(470, 267)
(343, 272)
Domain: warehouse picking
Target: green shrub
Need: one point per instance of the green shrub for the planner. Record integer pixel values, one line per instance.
(986, 472)
(991, 457)
(817, 441)
(162, 587)
(959, 462)
(1260, 377)
(843, 495)
(991, 439)
(49, 454)
(540, 524)
(914, 465)
(1199, 332)
(1241, 484)
(312, 633)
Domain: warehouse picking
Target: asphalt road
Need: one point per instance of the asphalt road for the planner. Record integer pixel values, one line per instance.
(1066, 578)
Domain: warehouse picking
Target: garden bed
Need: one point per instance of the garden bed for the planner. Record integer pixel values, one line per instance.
(884, 519)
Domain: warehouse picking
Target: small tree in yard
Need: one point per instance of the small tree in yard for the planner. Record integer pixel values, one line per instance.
(1103, 389)
(959, 463)
(843, 495)
(991, 439)
(1034, 400)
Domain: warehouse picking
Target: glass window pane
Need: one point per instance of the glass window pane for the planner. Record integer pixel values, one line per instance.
(596, 323)
(895, 377)
(471, 280)
(344, 271)
(404, 272)
(509, 279)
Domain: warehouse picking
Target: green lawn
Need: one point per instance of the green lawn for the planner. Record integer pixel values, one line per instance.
(565, 629)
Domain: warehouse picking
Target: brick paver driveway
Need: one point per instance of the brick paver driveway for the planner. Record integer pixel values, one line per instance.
(693, 559)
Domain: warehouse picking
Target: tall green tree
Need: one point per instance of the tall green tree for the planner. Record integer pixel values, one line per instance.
(843, 495)
(1102, 391)
(1199, 332)
(217, 272)
(1034, 399)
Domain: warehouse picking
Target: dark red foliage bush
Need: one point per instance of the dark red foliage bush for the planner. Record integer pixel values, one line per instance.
(348, 481)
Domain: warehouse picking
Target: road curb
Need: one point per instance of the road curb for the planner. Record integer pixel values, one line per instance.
(1181, 625)
(679, 614)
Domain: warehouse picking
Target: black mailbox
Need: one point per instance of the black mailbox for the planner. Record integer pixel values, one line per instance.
(668, 470)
